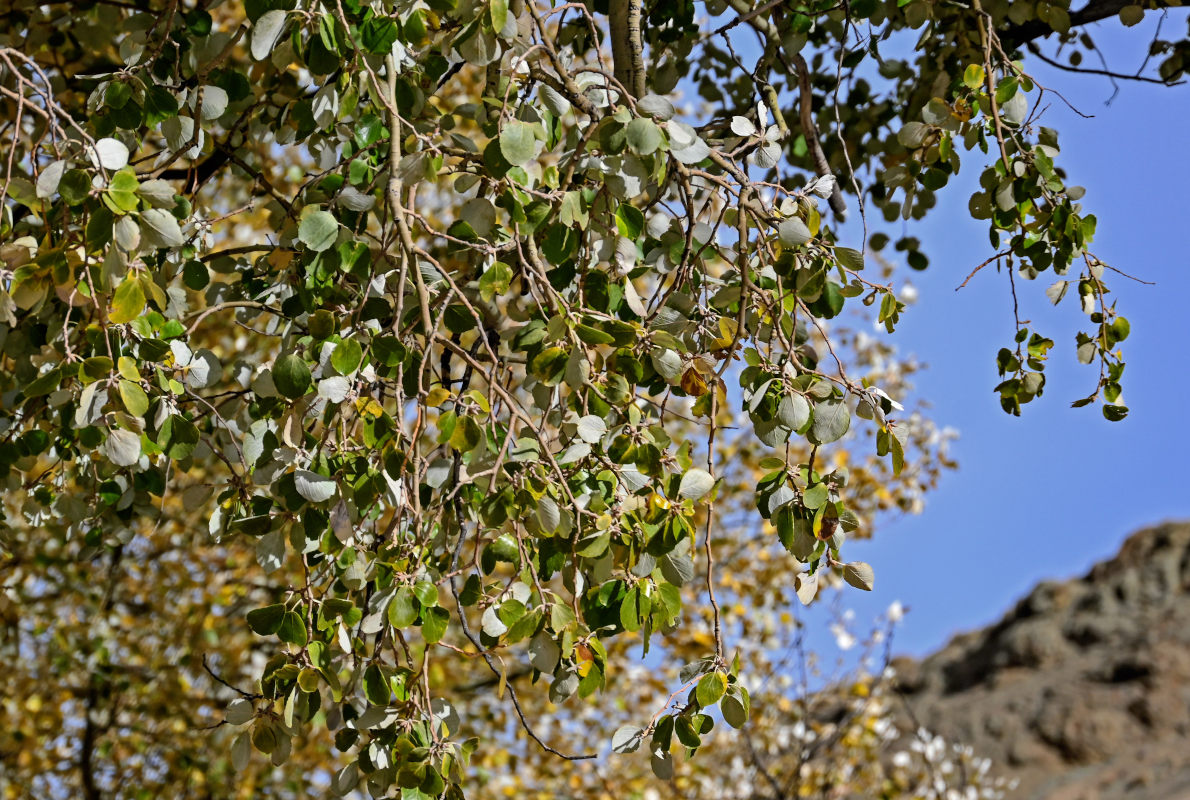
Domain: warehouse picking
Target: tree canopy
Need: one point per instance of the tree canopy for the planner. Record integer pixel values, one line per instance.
(391, 393)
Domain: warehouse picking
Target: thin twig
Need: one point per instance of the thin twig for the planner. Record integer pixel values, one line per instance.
(1035, 50)
(999, 255)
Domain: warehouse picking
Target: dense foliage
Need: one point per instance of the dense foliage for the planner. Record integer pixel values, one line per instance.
(378, 377)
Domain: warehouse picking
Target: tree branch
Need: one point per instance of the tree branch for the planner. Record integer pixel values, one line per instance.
(1035, 50)
(1018, 35)
(810, 131)
(87, 749)
(628, 62)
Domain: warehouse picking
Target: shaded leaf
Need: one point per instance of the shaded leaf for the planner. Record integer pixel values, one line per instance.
(859, 575)
(266, 32)
(627, 739)
(831, 421)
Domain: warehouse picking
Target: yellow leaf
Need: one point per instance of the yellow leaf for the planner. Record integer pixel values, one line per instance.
(368, 405)
(813, 220)
(128, 301)
(127, 367)
(279, 259)
(727, 331)
(437, 396)
(153, 292)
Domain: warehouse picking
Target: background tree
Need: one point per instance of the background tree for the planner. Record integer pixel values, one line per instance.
(369, 369)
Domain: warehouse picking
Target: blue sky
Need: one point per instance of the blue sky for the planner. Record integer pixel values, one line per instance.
(1050, 493)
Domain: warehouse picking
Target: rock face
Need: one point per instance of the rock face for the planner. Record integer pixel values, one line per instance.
(1082, 691)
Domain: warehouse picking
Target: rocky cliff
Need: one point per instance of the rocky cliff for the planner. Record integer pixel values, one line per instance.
(1082, 691)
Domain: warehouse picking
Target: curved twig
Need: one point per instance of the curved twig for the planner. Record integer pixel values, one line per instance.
(810, 131)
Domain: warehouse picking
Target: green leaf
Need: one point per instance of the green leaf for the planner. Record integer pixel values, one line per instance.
(426, 593)
(684, 729)
(850, 258)
(318, 230)
(177, 437)
(898, 453)
(433, 624)
(643, 135)
(347, 356)
(133, 396)
(160, 105)
(292, 629)
(1132, 15)
(524, 627)
(240, 711)
(630, 220)
(94, 368)
(498, 11)
(815, 497)
(794, 412)
(544, 652)
(43, 384)
(591, 335)
(712, 687)
(495, 281)
(75, 187)
(266, 621)
(736, 706)
(630, 611)
(661, 762)
(402, 610)
(1114, 413)
(548, 514)
(831, 421)
(378, 35)
(518, 143)
(913, 135)
(195, 275)
(291, 376)
(376, 688)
